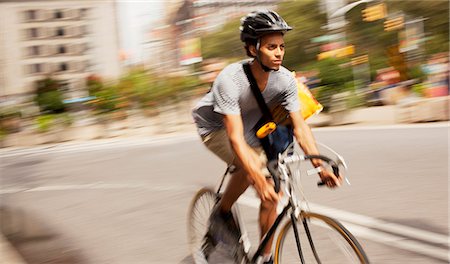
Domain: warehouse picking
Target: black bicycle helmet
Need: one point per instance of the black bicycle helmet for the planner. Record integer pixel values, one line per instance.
(258, 23)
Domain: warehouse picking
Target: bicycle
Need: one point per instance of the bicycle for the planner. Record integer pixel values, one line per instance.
(329, 241)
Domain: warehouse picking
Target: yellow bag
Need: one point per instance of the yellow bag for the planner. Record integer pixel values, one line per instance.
(310, 106)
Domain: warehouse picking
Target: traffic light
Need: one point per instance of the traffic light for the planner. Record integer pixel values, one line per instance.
(374, 12)
(394, 23)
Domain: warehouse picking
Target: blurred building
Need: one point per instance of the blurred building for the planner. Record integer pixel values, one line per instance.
(188, 20)
(68, 40)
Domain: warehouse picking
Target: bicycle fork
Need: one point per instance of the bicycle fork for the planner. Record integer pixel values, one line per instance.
(297, 237)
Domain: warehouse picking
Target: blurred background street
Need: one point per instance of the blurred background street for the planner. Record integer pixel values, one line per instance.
(99, 156)
(127, 201)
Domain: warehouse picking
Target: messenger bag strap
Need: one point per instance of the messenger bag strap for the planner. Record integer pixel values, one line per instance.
(257, 93)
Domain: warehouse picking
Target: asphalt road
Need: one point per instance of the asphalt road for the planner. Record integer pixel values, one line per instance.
(126, 201)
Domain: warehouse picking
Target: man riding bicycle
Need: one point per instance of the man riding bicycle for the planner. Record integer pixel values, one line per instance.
(227, 115)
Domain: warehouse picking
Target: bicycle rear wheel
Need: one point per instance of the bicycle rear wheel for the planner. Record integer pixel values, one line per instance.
(198, 219)
(323, 240)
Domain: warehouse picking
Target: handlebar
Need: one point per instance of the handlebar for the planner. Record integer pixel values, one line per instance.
(296, 158)
(284, 160)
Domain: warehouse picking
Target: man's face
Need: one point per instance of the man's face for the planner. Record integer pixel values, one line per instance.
(271, 50)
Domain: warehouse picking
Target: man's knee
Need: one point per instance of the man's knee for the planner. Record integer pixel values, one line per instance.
(241, 174)
(268, 205)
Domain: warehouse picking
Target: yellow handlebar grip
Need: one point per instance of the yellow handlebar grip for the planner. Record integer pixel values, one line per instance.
(266, 129)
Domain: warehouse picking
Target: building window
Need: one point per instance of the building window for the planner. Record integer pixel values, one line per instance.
(36, 68)
(33, 32)
(31, 14)
(64, 86)
(62, 50)
(34, 51)
(60, 32)
(83, 12)
(58, 14)
(63, 66)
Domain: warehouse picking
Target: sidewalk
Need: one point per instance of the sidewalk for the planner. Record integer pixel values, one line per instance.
(180, 121)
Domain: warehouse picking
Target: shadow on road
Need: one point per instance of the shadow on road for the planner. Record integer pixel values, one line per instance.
(35, 241)
(217, 257)
(187, 260)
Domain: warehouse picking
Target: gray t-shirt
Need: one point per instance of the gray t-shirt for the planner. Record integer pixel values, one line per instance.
(231, 95)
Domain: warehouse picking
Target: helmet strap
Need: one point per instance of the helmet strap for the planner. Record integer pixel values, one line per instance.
(264, 67)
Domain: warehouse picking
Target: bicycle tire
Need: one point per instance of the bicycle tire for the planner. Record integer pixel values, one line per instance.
(331, 242)
(198, 216)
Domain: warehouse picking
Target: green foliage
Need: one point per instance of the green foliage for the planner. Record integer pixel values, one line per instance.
(47, 85)
(3, 133)
(224, 43)
(9, 111)
(48, 96)
(355, 98)
(419, 89)
(107, 99)
(147, 89)
(50, 102)
(416, 72)
(436, 25)
(335, 78)
(307, 20)
(336, 72)
(368, 37)
(94, 84)
(142, 88)
(45, 122)
(49, 121)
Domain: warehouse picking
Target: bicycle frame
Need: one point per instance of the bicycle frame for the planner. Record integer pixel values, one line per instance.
(244, 239)
(284, 159)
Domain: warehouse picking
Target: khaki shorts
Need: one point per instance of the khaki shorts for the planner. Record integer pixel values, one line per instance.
(219, 143)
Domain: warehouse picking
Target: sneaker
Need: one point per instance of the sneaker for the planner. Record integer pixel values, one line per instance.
(222, 228)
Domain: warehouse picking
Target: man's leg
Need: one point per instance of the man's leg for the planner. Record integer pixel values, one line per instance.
(236, 186)
(219, 143)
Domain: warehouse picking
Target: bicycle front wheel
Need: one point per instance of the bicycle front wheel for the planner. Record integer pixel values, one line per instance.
(198, 217)
(323, 240)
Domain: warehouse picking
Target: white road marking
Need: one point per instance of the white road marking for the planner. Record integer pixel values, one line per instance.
(382, 225)
(384, 127)
(99, 186)
(97, 145)
(397, 241)
(367, 227)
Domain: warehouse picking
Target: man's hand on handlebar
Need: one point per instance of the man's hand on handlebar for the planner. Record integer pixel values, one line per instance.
(265, 190)
(329, 179)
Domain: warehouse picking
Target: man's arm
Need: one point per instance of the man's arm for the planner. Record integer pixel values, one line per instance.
(307, 142)
(248, 157)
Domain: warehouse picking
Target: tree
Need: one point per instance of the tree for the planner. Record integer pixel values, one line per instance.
(307, 20)
(49, 96)
(225, 42)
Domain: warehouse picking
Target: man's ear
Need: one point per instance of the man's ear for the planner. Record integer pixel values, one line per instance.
(252, 49)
